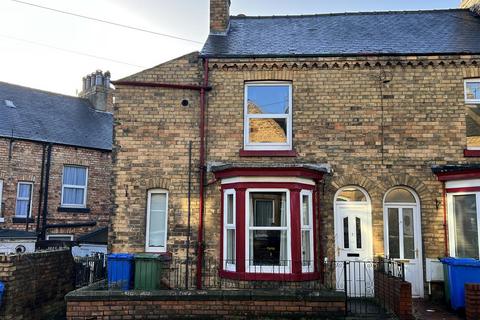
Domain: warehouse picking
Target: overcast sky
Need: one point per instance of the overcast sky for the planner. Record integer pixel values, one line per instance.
(31, 38)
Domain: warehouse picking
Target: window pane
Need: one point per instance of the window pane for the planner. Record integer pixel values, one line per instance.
(346, 240)
(351, 195)
(158, 211)
(393, 233)
(22, 208)
(75, 176)
(24, 190)
(268, 130)
(230, 218)
(400, 196)
(268, 99)
(268, 248)
(268, 209)
(306, 250)
(473, 90)
(73, 196)
(358, 230)
(305, 210)
(230, 246)
(466, 233)
(408, 234)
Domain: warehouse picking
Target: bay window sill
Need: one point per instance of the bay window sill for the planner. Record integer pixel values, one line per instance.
(267, 153)
(22, 220)
(247, 276)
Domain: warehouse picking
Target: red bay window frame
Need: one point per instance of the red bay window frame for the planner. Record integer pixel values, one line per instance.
(296, 273)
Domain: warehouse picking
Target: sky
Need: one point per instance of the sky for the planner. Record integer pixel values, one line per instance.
(53, 51)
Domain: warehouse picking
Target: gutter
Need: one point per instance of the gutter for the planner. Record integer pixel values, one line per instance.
(162, 85)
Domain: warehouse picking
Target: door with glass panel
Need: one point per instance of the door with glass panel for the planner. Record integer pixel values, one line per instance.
(403, 235)
(353, 242)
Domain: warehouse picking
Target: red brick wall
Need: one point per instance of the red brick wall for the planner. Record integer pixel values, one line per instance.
(394, 294)
(36, 284)
(245, 309)
(472, 301)
(24, 162)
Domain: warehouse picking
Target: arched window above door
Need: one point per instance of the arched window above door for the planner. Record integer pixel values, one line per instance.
(400, 195)
(351, 194)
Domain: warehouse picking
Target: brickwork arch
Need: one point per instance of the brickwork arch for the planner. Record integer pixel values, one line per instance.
(406, 180)
(356, 179)
(155, 183)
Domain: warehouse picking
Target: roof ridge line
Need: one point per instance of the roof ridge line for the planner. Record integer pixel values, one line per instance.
(239, 17)
(41, 90)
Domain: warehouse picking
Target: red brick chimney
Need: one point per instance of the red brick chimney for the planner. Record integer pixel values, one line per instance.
(219, 16)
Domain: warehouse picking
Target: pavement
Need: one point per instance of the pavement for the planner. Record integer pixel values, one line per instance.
(430, 310)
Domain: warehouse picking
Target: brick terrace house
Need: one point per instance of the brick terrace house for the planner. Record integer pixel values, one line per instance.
(55, 159)
(315, 138)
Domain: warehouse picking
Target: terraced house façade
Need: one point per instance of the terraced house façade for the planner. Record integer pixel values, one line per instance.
(315, 138)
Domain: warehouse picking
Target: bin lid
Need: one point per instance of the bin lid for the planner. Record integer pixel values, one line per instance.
(2, 286)
(461, 262)
(148, 256)
(122, 256)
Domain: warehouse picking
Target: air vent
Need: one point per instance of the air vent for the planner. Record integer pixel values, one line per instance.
(10, 104)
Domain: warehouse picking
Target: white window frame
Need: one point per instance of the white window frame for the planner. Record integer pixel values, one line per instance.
(72, 186)
(267, 269)
(451, 219)
(2, 219)
(230, 192)
(147, 232)
(467, 100)
(53, 236)
(29, 215)
(307, 227)
(287, 116)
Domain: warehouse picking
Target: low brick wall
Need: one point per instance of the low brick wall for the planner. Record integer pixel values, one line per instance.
(84, 304)
(394, 294)
(36, 284)
(472, 301)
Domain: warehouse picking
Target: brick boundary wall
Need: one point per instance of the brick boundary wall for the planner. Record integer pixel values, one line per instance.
(101, 305)
(36, 284)
(472, 301)
(394, 294)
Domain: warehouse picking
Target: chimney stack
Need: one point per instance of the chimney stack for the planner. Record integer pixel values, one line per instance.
(219, 16)
(473, 5)
(96, 88)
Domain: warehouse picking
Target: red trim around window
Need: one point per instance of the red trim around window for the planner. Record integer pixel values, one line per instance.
(465, 189)
(471, 153)
(269, 172)
(295, 227)
(459, 175)
(268, 153)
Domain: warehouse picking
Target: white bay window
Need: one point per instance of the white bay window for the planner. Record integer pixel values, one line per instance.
(307, 231)
(229, 246)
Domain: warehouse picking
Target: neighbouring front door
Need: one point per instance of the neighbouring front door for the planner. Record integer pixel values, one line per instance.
(353, 242)
(403, 235)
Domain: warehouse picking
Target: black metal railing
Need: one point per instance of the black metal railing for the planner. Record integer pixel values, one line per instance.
(90, 269)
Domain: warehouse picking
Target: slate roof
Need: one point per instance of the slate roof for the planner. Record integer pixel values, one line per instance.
(99, 236)
(453, 31)
(51, 117)
(16, 234)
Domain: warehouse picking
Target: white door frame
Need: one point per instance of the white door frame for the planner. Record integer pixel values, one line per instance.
(417, 230)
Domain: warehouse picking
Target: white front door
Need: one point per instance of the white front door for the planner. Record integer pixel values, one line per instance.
(403, 242)
(353, 242)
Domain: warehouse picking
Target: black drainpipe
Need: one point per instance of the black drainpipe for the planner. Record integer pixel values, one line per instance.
(40, 192)
(45, 194)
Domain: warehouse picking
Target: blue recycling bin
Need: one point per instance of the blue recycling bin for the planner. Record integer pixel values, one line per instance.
(2, 292)
(458, 272)
(120, 271)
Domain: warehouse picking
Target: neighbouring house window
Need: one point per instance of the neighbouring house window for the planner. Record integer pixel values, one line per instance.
(229, 230)
(472, 101)
(268, 116)
(307, 231)
(464, 218)
(74, 186)
(157, 221)
(268, 238)
(23, 207)
(60, 237)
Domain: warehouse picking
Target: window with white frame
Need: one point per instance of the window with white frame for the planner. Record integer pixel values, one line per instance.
(464, 218)
(74, 186)
(60, 237)
(23, 208)
(472, 91)
(157, 221)
(229, 237)
(307, 231)
(268, 231)
(268, 116)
